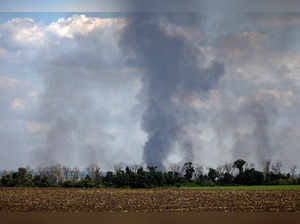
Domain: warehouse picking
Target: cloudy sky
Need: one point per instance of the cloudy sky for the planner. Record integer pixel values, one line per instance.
(145, 5)
(147, 88)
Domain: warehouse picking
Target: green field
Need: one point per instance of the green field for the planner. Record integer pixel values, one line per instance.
(263, 188)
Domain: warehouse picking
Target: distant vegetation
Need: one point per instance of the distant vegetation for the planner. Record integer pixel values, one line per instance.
(239, 173)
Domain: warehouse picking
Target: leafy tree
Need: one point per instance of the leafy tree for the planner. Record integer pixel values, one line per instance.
(212, 174)
(189, 170)
(239, 164)
(6, 179)
(141, 178)
(130, 177)
(250, 177)
(67, 184)
(120, 179)
(22, 178)
(108, 179)
(226, 179)
(41, 181)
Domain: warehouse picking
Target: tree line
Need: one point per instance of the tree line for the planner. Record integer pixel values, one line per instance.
(230, 174)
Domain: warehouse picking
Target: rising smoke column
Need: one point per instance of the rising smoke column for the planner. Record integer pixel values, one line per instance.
(171, 71)
(258, 142)
(78, 71)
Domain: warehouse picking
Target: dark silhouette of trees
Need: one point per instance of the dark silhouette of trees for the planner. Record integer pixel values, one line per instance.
(40, 181)
(239, 164)
(6, 179)
(189, 170)
(139, 177)
(250, 177)
(226, 179)
(212, 174)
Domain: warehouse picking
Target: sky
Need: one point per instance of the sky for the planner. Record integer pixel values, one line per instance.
(147, 88)
(145, 5)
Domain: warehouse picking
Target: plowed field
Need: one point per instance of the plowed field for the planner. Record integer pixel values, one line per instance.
(143, 201)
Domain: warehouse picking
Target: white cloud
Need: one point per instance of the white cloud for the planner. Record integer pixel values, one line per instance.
(83, 25)
(24, 33)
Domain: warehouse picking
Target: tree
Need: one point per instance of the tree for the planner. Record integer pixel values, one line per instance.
(22, 178)
(6, 179)
(228, 167)
(188, 171)
(276, 167)
(66, 171)
(141, 180)
(199, 171)
(91, 170)
(239, 164)
(108, 179)
(57, 171)
(212, 174)
(120, 179)
(293, 170)
(75, 174)
(226, 179)
(175, 169)
(267, 165)
(54, 174)
(40, 181)
(155, 177)
(250, 177)
(220, 171)
(130, 177)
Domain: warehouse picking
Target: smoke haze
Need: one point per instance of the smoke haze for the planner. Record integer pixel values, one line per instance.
(150, 88)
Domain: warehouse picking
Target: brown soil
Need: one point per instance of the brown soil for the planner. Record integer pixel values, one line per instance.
(146, 201)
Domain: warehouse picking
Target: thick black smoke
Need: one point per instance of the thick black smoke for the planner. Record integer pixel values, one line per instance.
(172, 70)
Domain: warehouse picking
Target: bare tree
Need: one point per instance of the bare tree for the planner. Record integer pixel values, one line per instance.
(118, 167)
(134, 168)
(53, 173)
(199, 170)
(220, 171)
(267, 167)
(174, 168)
(74, 174)
(228, 167)
(66, 173)
(93, 171)
(57, 171)
(293, 170)
(276, 167)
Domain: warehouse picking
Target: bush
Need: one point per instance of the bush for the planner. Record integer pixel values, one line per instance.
(68, 184)
(282, 181)
(207, 183)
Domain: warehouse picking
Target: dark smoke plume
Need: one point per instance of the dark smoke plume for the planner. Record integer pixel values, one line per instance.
(172, 70)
